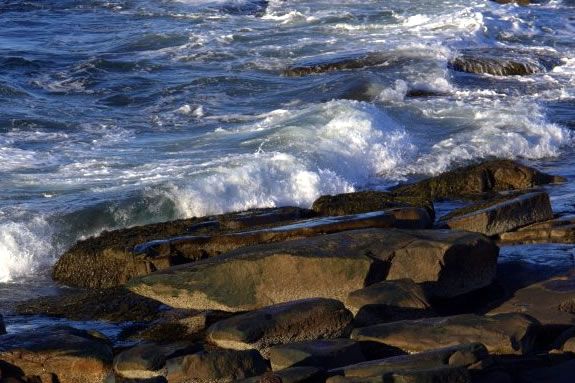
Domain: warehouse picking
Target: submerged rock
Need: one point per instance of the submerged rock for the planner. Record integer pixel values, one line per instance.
(502, 215)
(447, 263)
(472, 181)
(307, 319)
(359, 61)
(388, 301)
(56, 354)
(512, 333)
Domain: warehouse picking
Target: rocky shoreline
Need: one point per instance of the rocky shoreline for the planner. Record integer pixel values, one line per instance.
(363, 287)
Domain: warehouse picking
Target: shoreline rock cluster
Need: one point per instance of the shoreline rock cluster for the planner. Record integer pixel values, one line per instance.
(362, 287)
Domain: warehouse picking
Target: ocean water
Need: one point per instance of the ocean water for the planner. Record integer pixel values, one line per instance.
(125, 112)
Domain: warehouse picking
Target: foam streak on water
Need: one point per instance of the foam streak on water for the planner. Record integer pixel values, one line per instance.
(180, 107)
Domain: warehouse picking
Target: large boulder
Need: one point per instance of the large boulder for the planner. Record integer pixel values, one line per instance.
(462, 355)
(307, 319)
(502, 216)
(475, 180)
(215, 366)
(56, 354)
(367, 201)
(325, 353)
(446, 263)
(502, 334)
(108, 261)
(552, 302)
(388, 301)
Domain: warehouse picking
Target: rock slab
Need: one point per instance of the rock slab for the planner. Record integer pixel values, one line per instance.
(446, 263)
(511, 333)
(307, 319)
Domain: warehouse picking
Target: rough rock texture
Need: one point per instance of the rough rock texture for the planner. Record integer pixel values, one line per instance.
(388, 301)
(416, 218)
(552, 302)
(109, 260)
(512, 333)
(290, 375)
(558, 230)
(331, 266)
(462, 355)
(61, 354)
(215, 366)
(341, 63)
(474, 180)
(307, 319)
(114, 305)
(503, 216)
(143, 361)
(366, 201)
(325, 353)
(199, 247)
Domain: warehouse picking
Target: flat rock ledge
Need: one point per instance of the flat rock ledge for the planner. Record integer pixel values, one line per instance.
(446, 263)
(511, 333)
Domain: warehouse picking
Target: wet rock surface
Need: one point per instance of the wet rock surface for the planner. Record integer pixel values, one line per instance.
(557, 230)
(110, 260)
(503, 216)
(473, 181)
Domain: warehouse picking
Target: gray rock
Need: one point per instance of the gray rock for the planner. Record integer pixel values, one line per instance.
(308, 319)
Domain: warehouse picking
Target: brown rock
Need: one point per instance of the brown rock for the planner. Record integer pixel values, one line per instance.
(550, 302)
(107, 260)
(503, 216)
(308, 319)
(290, 375)
(144, 361)
(331, 266)
(463, 355)
(325, 353)
(215, 366)
(340, 63)
(502, 334)
(61, 354)
(367, 201)
(472, 181)
(388, 301)
(558, 230)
